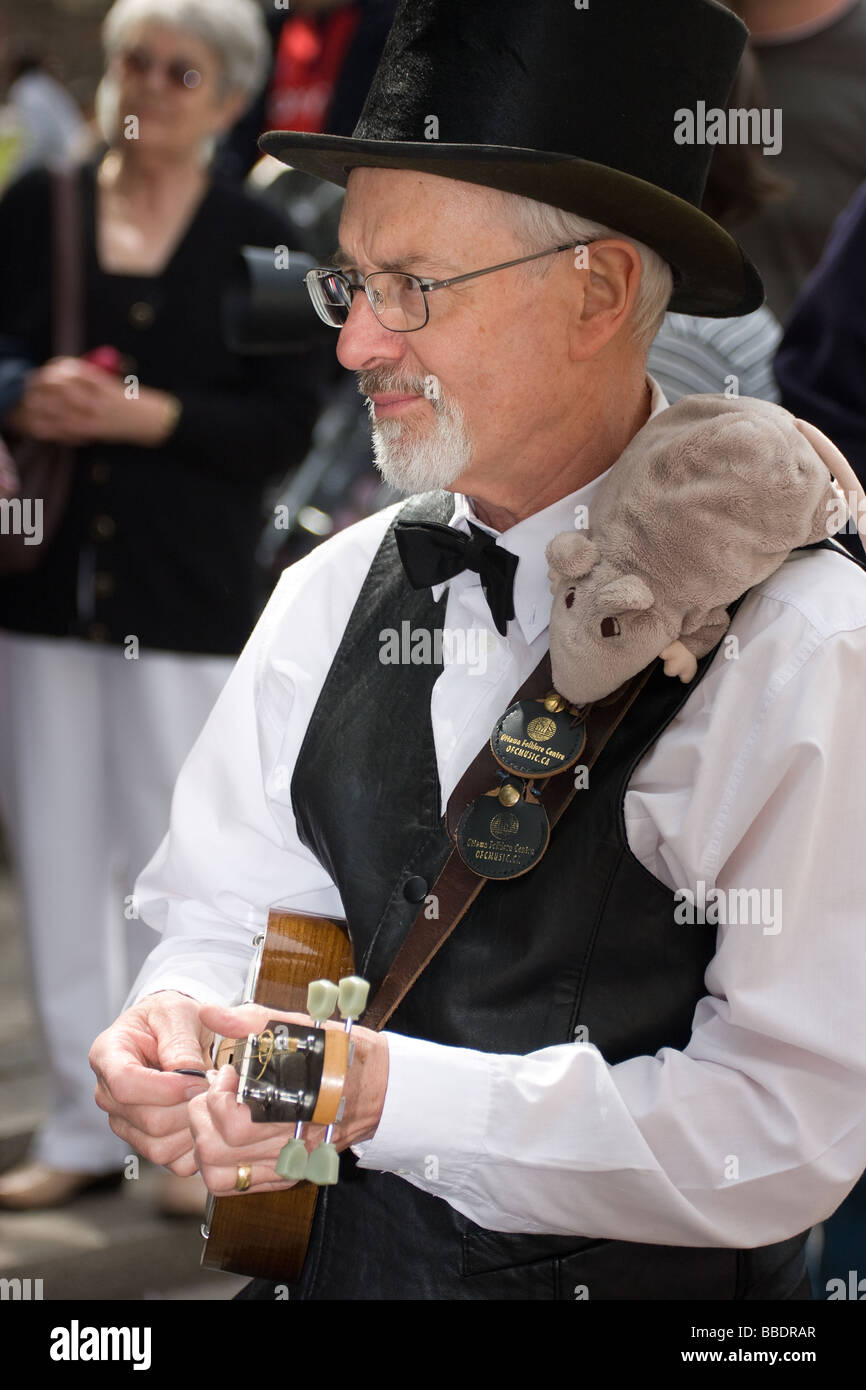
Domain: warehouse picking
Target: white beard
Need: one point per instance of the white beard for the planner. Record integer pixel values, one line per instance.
(415, 457)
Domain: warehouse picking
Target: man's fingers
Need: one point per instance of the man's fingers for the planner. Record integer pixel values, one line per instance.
(180, 1046)
(167, 1151)
(212, 1151)
(231, 1127)
(247, 1018)
(217, 1116)
(128, 1082)
(181, 1041)
(159, 1121)
(221, 1181)
(185, 1167)
(134, 1059)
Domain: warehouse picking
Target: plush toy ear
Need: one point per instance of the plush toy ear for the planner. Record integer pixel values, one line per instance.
(628, 594)
(845, 476)
(572, 554)
(830, 514)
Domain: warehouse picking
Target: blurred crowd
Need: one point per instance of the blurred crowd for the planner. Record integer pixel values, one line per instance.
(193, 452)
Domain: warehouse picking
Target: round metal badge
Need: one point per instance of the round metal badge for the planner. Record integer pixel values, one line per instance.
(535, 739)
(502, 836)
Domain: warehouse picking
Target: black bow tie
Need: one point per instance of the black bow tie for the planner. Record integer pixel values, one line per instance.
(432, 554)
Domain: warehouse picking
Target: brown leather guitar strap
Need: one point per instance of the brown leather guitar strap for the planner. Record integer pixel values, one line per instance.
(67, 249)
(457, 885)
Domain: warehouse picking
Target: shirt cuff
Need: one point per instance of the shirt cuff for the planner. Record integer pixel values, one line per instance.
(186, 984)
(434, 1093)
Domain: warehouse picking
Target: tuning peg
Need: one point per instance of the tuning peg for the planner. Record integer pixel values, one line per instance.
(321, 998)
(292, 1161)
(352, 996)
(323, 1166)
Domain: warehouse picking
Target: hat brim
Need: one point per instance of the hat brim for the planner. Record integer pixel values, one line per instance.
(713, 275)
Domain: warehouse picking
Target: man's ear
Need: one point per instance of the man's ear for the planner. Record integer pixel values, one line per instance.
(609, 289)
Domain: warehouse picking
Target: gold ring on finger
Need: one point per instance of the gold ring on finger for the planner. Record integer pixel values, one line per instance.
(242, 1181)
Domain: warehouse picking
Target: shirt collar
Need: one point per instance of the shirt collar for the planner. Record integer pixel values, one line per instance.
(528, 540)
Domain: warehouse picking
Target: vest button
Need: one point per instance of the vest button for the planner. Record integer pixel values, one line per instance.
(415, 889)
(102, 528)
(142, 314)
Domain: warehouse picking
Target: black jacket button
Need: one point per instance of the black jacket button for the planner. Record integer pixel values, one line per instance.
(415, 889)
(102, 528)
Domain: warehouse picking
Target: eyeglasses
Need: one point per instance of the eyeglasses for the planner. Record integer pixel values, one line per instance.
(399, 301)
(180, 73)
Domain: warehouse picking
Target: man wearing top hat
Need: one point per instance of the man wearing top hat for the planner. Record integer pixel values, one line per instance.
(577, 1098)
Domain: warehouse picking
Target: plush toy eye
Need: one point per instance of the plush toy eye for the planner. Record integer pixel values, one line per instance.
(569, 598)
(610, 627)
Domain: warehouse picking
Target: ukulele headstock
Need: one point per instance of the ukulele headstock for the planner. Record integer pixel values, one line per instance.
(295, 1073)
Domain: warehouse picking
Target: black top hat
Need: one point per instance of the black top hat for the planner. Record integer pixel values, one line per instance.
(570, 106)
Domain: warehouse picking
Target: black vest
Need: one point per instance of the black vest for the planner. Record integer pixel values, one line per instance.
(585, 941)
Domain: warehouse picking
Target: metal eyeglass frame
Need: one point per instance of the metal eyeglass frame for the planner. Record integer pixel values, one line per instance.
(315, 276)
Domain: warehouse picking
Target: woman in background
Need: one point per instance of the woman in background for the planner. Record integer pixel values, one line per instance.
(114, 649)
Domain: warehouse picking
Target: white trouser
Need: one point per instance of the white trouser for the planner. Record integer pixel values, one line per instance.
(90, 746)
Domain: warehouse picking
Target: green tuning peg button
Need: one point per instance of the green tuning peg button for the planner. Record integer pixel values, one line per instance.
(352, 1000)
(321, 999)
(323, 1167)
(292, 1162)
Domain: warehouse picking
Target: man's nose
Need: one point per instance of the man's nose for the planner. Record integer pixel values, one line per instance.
(364, 342)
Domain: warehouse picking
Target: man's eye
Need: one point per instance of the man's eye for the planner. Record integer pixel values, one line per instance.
(610, 627)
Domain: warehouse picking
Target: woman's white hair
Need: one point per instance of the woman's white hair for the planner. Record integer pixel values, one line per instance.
(539, 226)
(234, 29)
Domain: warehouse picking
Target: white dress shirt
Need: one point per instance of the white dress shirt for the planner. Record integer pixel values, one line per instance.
(757, 1129)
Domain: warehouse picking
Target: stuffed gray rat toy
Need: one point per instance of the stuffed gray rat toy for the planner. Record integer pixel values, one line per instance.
(708, 499)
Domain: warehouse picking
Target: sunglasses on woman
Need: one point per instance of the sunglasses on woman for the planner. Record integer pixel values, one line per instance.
(180, 73)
